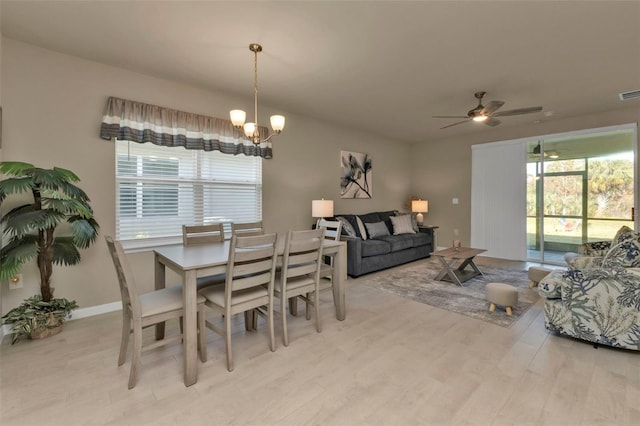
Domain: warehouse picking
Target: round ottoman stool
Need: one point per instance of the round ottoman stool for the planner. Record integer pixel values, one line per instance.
(536, 275)
(502, 294)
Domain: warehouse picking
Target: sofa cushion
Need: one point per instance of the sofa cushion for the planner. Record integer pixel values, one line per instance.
(414, 220)
(347, 228)
(420, 239)
(625, 254)
(377, 229)
(398, 242)
(624, 229)
(378, 217)
(402, 225)
(375, 248)
(361, 229)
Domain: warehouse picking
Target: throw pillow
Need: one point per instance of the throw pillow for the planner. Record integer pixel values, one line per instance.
(402, 224)
(346, 227)
(623, 230)
(414, 221)
(361, 227)
(377, 229)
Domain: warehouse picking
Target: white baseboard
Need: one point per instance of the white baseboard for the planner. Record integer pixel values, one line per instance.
(95, 310)
(76, 314)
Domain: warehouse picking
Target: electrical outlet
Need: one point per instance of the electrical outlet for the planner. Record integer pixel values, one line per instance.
(455, 201)
(15, 282)
(456, 232)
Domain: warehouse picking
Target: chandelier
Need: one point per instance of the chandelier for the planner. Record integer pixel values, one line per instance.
(238, 116)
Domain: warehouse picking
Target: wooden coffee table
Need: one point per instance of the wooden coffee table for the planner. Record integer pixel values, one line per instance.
(454, 261)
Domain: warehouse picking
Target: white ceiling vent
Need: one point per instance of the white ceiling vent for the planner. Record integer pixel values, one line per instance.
(625, 96)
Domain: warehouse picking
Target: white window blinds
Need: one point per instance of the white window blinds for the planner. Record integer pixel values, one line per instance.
(158, 189)
(498, 199)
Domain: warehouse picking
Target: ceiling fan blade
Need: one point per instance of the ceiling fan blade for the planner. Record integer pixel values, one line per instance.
(492, 122)
(491, 107)
(454, 124)
(449, 116)
(518, 111)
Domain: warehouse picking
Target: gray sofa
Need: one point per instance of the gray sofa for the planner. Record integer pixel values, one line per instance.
(380, 252)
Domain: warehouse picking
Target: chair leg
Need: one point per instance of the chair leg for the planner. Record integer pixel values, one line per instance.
(124, 341)
(308, 306)
(283, 307)
(272, 336)
(227, 340)
(135, 358)
(317, 303)
(254, 319)
(202, 335)
(293, 306)
(248, 321)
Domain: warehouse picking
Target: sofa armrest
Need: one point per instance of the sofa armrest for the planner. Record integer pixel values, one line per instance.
(354, 255)
(550, 286)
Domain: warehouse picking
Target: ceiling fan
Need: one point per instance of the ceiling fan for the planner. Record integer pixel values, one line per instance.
(486, 114)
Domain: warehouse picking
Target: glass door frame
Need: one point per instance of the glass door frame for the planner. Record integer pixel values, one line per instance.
(540, 175)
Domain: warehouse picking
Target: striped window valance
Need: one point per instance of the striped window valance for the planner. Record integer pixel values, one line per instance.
(138, 122)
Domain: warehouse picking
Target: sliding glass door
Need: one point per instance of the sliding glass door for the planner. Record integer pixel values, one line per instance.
(580, 187)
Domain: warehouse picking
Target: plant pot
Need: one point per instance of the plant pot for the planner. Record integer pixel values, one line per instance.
(54, 326)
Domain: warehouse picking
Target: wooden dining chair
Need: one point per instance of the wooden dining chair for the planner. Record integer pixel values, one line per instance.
(249, 285)
(202, 234)
(140, 311)
(332, 228)
(300, 274)
(247, 229)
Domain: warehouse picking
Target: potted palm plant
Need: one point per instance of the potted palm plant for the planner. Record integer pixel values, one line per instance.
(50, 227)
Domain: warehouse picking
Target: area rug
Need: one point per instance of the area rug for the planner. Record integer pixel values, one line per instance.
(416, 281)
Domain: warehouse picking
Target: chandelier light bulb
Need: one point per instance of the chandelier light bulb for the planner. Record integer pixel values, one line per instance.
(249, 129)
(277, 123)
(238, 117)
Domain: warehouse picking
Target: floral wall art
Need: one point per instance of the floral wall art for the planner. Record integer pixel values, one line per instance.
(356, 179)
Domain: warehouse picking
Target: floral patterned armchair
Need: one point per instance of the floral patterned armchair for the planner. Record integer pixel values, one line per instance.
(598, 298)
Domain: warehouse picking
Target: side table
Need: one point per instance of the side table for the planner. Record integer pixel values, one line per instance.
(431, 230)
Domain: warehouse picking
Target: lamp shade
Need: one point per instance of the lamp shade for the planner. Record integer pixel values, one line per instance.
(419, 206)
(238, 117)
(277, 123)
(322, 208)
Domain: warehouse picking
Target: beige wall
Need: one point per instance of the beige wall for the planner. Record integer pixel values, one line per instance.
(53, 104)
(441, 169)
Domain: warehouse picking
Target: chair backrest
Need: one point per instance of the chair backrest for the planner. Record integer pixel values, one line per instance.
(247, 229)
(202, 234)
(252, 263)
(333, 228)
(303, 253)
(128, 290)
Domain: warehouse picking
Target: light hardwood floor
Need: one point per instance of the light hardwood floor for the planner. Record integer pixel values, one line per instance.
(391, 362)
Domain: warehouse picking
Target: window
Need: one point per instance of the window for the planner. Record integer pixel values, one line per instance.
(158, 189)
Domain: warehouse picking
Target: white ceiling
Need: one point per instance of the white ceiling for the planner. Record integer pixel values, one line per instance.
(385, 66)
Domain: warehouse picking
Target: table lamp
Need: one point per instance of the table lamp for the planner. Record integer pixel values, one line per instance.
(321, 208)
(419, 206)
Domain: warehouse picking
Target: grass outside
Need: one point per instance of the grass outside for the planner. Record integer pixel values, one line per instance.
(570, 231)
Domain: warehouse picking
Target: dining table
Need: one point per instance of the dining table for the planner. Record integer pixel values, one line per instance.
(195, 261)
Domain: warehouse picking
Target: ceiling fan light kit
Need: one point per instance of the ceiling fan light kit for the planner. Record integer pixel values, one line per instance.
(486, 114)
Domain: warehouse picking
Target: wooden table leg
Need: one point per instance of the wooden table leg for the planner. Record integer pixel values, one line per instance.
(190, 336)
(159, 279)
(339, 281)
(447, 271)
